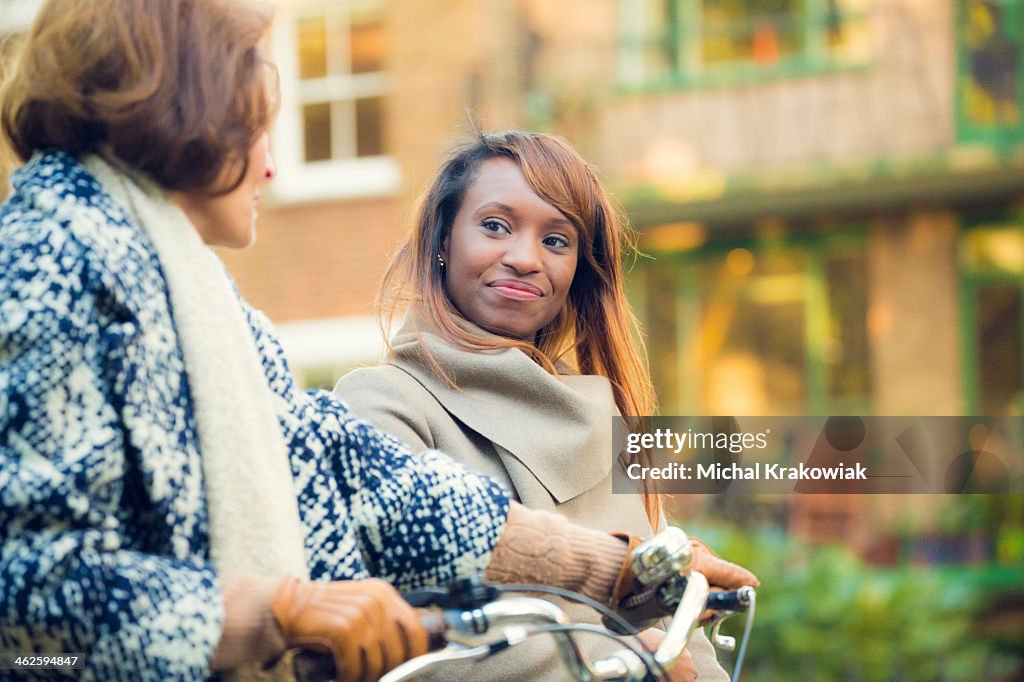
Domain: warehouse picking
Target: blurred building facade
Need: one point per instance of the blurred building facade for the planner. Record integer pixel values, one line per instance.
(831, 190)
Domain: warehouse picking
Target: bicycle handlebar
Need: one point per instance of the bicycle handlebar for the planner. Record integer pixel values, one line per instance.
(471, 621)
(730, 602)
(461, 634)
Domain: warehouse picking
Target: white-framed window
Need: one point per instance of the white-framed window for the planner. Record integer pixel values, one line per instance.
(330, 139)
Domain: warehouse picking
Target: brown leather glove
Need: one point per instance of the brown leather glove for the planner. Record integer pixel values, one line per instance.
(719, 572)
(638, 609)
(626, 584)
(364, 624)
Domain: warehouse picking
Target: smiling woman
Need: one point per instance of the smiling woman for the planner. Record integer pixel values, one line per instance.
(519, 350)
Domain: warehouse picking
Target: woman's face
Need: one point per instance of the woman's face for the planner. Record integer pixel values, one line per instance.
(230, 219)
(511, 256)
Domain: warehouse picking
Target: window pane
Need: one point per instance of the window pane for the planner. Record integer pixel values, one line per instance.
(999, 347)
(760, 31)
(994, 249)
(848, 34)
(992, 56)
(370, 126)
(368, 43)
(312, 48)
(316, 121)
(849, 375)
(752, 334)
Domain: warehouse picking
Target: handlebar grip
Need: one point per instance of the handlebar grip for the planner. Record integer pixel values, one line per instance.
(732, 600)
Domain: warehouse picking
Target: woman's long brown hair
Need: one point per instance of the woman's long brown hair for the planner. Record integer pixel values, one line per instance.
(596, 332)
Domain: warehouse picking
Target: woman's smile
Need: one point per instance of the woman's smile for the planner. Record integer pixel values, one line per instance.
(516, 290)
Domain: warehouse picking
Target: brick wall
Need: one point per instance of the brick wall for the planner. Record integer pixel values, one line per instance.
(318, 260)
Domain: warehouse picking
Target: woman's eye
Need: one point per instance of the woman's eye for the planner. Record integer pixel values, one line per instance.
(493, 226)
(556, 241)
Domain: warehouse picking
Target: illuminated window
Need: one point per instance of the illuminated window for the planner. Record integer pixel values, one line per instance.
(992, 317)
(760, 329)
(341, 84)
(697, 42)
(331, 138)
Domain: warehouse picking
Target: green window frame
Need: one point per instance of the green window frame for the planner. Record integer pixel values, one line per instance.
(990, 71)
(991, 294)
(705, 43)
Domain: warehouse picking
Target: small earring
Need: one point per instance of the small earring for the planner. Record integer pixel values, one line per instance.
(440, 260)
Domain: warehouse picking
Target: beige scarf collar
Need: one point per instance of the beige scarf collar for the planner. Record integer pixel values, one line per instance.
(254, 519)
(560, 428)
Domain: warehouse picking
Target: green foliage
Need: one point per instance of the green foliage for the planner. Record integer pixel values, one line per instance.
(824, 614)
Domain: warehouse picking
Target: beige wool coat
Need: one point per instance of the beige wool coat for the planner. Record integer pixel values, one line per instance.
(547, 439)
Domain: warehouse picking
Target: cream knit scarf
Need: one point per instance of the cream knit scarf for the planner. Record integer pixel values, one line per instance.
(253, 515)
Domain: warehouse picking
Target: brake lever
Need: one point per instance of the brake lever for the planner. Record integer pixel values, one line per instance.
(724, 606)
(720, 641)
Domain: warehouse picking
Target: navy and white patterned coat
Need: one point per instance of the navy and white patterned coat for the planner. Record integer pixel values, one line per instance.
(104, 548)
